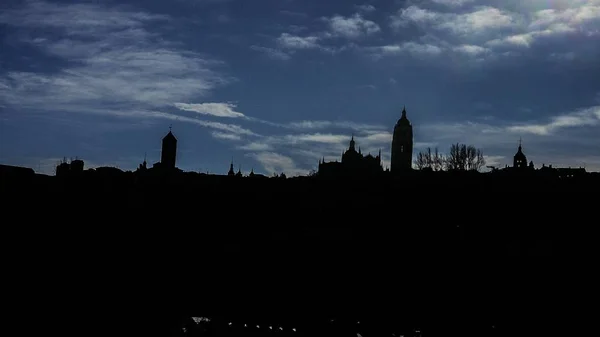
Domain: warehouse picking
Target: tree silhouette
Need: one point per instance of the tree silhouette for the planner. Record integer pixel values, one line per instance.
(423, 159)
(438, 160)
(464, 157)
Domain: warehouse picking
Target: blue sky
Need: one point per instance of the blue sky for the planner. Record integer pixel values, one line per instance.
(277, 84)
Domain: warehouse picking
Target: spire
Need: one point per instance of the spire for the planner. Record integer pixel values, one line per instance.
(352, 142)
(231, 172)
(520, 143)
(359, 150)
(404, 112)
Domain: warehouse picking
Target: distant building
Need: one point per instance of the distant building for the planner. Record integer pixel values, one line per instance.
(169, 151)
(231, 172)
(353, 163)
(402, 145)
(65, 168)
(520, 160)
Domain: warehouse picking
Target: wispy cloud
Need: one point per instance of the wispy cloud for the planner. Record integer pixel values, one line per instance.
(274, 162)
(298, 42)
(116, 58)
(212, 109)
(453, 3)
(334, 124)
(226, 136)
(584, 117)
(351, 27)
(273, 53)
(475, 22)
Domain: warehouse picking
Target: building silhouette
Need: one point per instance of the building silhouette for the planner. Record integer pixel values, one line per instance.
(65, 168)
(402, 144)
(169, 151)
(353, 163)
(520, 160)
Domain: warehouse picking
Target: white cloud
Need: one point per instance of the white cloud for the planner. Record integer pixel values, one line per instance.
(272, 53)
(453, 3)
(297, 42)
(225, 128)
(226, 136)
(212, 109)
(256, 146)
(313, 138)
(583, 117)
(471, 49)
(351, 27)
(114, 61)
(274, 162)
(482, 19)
(493, 160)
(413, 48)
(334, 124)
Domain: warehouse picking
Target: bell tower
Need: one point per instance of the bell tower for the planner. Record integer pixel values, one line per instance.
(169, 150)
(402, 145)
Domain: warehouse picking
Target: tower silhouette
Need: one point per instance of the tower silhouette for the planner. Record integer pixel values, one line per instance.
(169, 150)
(520, 160)
(402, 144)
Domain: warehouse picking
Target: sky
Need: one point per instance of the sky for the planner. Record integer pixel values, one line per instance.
(275, 85)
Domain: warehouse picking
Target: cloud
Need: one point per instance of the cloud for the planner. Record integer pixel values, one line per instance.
(493, 160)
(471, 49)
(583, 117)
(334, 124)
(297, 42)
(224, 127)
(226, 136)
(352, 27)
(412, 48)
(272, 53)
(486, 32)
(255, 146)
(453, 3)
(274, 162)
(212, 109)
(366, 8)
(482, 19)
(115, 59)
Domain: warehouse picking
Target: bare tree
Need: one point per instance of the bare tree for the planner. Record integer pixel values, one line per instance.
(437, 161)
(464, 157)
(424, 160)
(454, 160)
(479, 162)
(421, 161)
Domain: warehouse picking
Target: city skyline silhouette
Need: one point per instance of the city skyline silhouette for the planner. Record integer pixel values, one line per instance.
(297, 168)
(335, 77)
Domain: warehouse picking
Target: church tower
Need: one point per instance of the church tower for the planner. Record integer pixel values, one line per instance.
(169, 151)
(402, 145)
(520, 160)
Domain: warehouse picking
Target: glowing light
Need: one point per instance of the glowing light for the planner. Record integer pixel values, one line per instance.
(270, 327)
(258, 327)
(200, 319)
(294, 329)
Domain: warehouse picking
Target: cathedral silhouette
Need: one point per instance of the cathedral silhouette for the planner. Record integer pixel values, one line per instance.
(355, 163)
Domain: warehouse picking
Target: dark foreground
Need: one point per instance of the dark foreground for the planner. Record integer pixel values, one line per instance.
(447, 256)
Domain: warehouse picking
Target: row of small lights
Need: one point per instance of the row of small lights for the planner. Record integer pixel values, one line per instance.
(197, 320)
(258, 327)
